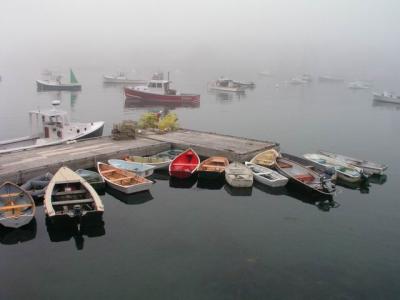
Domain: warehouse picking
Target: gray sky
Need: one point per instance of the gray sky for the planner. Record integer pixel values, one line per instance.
(327, 36)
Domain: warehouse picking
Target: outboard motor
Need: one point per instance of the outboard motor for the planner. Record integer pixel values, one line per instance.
(327, 185)
(77, 211)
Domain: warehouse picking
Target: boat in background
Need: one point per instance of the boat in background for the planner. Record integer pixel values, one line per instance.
(213, 167)
(226, 85)
(266, 158)
(245, 84)
(386, 97)
(160, 91)
(69, 196)
(359, 85)
(140, 169)
(17, 207)
(93, 178)
(122, 78)
(302, 79)
(238, 175)
(305, 177)
(266, 176)
(184, 165)
(344, 171)
(124, 181)
(56, 84)
(368, 167)
(55, 128)
(36, 187)
(328, 78)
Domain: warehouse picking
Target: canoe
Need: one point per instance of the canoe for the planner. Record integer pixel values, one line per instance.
(69, 196)
(184, 165)
(123, 180)
(212, 167)
(36, 186)
(344, 171)
(266, 176)
(93, 178)
(140, 169)
(304, 176)
(238, 175)
(323, 171)
(369, 167)
(266, 158)
(156, 162)
(17, 207)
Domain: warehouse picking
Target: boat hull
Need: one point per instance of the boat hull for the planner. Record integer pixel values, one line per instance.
(386, 99)
(131, 93)
(184, 165)
(45, 86)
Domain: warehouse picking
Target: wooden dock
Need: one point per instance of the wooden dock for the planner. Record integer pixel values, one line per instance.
(23, 165)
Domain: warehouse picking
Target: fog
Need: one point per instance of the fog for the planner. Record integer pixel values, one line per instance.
(354, 38)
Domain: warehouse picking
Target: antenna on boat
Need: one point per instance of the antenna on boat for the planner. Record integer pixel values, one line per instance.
(168, 76)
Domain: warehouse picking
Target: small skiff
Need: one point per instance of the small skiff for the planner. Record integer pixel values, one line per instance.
(17, 207)
(156, 162)
(184, 165)
(93, 178)
(267, 176)
(171, 154)
(36, 187)
(238, 175)
(369, 167)
(344, 171)
(305, 177)
(140, 169)
(122, 180)
(266, 158)
(70, 196)
(212, 167)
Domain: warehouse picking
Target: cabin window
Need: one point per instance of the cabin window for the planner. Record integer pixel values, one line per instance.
(152, 85)
(159, 85)
(77, 131)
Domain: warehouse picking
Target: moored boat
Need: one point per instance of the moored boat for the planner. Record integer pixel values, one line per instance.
(140, 169)
(368, 167)
(213, 167)
(17, 207)
(359, 85)
(36, 186)
(304, 176)
(184, 165)
(160, 91)
(386, 97)
(171, 154)
(344, 171)
(69, 196)
(93, 178)
(266, 158)
(238, 175)
(123, 180)
(226, 85)
(54, 128)
(122, 78)
(245, 84)
(156, 162)
(267, 176)
(57, 85)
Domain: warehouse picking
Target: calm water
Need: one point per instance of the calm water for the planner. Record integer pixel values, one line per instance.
(202, 242)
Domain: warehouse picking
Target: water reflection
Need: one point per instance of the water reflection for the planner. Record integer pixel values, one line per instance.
(11, 236)
(386, 105)
(234, 191)
(131, 104)
(160, 175)
(64, 232)
(134, 199)
(228, 97)
(378, 179)
(363, 186)
(182, 183)
(215, 184)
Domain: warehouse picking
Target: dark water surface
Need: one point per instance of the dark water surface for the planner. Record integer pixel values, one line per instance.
(211, 242)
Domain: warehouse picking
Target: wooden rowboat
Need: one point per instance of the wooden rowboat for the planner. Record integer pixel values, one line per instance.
(70, 196)
(267, 176)
(93, 178)
(238, 175)
(304, 176)
(122, 180)
(266, 158)
(212, 167)
(17, 207)
(185, 164)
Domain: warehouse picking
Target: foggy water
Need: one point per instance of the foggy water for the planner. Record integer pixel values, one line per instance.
(202, 243)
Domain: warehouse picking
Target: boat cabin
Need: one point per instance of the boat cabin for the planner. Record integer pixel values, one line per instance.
(160, 87)
(51, 122)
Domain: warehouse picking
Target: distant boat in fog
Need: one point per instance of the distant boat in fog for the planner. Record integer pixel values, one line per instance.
(225, 85)
(302, 79)
(359, 85)
(57, 85)
(245, 84)
(122, 78)
(265, 73)
(328, 78)
(387, 97)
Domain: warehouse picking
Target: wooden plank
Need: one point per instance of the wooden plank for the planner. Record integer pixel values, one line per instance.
(68, 202)
(12, 207)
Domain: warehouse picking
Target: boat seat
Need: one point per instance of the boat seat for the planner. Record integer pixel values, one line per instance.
(12, 207)
(10, 195)
(304, 177)
(284, 165)
(122, 178)
(68, 202)
(107, 171)
(184, 165)
(70, 193)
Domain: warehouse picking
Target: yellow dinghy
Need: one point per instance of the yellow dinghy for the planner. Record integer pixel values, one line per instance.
(266, 158)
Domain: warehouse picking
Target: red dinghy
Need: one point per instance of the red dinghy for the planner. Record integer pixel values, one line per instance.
(184, 165)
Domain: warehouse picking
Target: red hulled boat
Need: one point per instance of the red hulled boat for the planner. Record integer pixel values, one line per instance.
(159, 90)
(184, 165)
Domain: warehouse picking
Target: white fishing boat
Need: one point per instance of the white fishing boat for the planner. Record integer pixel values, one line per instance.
(297, 81)
(17, 207)
(368, 167)
(238, 175)
(267, 176)
(225, 85)
(53, 127)
(359, 85)
(124, 181)
(68, 196)
(245, 84)
(122, 78)
(386, 97)
(57, 85)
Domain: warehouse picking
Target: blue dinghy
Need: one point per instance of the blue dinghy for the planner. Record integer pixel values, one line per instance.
(140, 169)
